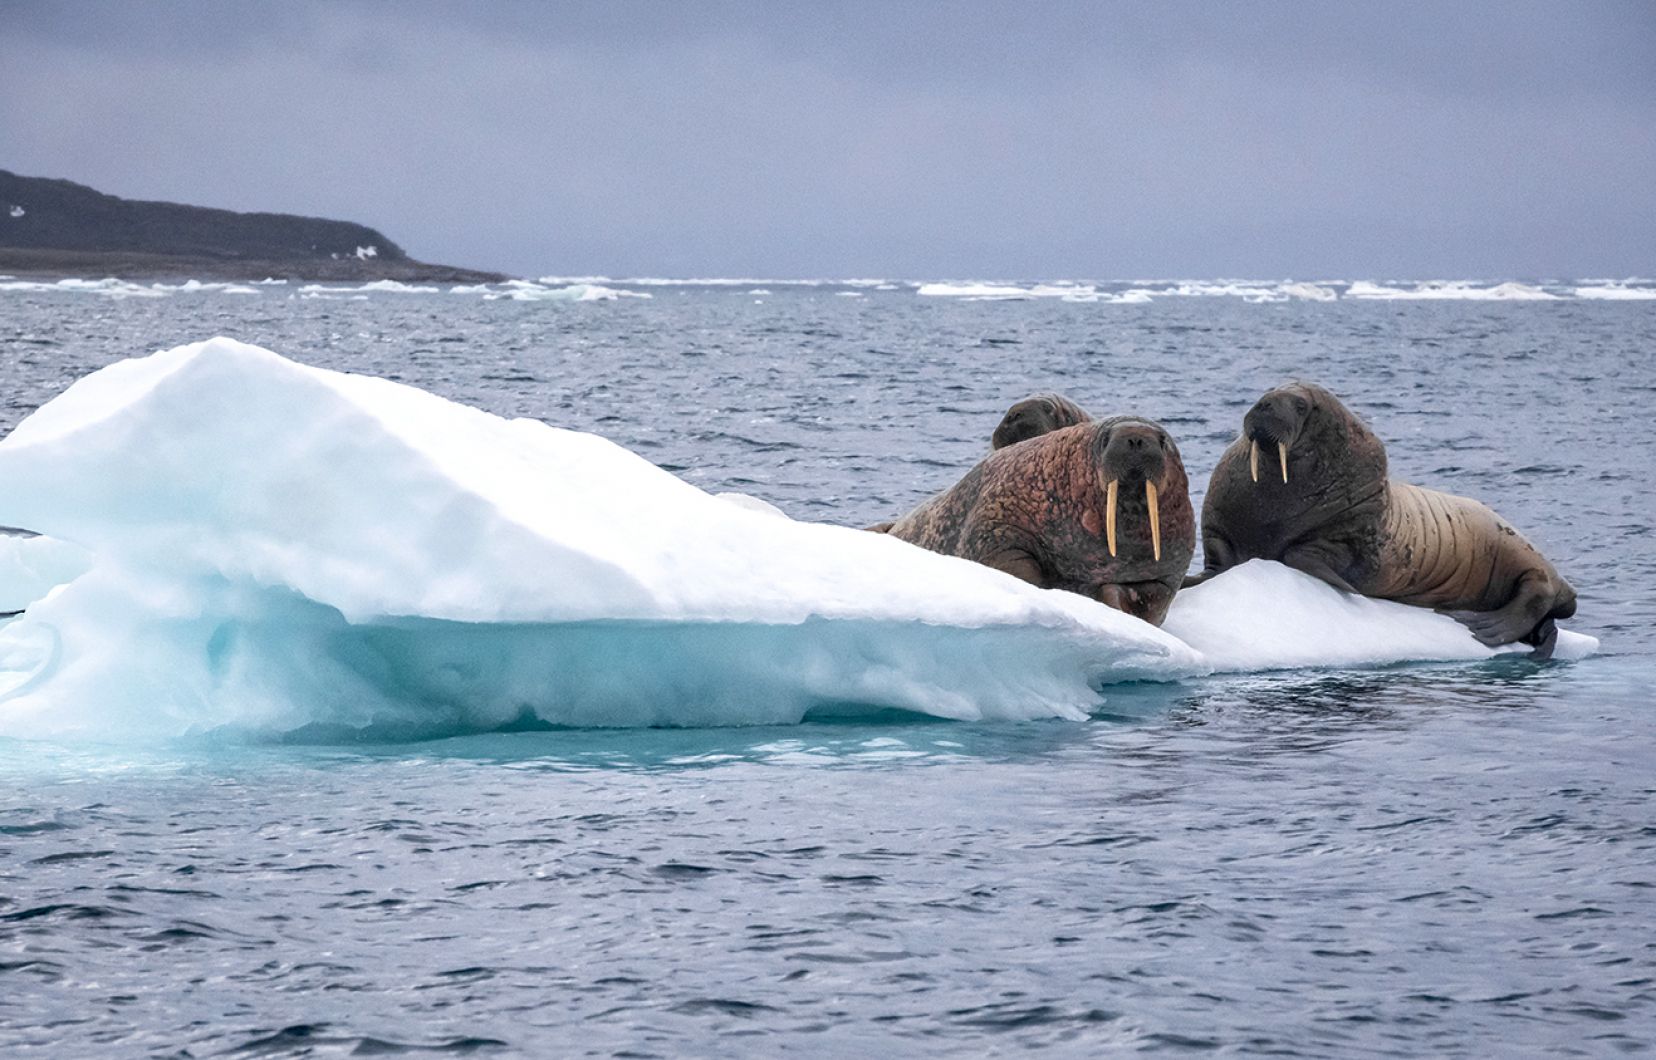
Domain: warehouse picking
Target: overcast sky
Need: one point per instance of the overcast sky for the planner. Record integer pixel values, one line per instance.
(983, 140)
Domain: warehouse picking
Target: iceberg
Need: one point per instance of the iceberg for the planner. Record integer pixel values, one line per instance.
(236, 542)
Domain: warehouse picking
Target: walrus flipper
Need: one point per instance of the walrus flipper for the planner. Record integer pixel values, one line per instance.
(1520, 619)
(1314, 561)
(1217, 557)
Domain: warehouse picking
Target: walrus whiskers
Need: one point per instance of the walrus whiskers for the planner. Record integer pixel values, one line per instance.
(1110, 514)
(1253, 460)
(1155, 517)
(1282, 455)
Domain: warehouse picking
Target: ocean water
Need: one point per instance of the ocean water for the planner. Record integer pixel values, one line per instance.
(1421, 860)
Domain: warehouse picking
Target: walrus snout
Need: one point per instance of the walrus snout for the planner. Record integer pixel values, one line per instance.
(1274, 422)
(1136, 454)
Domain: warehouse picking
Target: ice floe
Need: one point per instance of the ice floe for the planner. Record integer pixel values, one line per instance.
(239, 542)
(524, 291)
(1616, 292)
(1453, 290)
(603, 288)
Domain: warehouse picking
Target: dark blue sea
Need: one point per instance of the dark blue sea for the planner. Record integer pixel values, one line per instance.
(1445, 860)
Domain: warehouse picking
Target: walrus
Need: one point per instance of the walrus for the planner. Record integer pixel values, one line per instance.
(1034, 416)
(1100, 508)
(1323, 504)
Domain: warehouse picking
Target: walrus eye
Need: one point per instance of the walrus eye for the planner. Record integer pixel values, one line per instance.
(1301, 406)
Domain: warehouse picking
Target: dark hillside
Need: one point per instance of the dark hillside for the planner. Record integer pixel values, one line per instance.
(58, 226)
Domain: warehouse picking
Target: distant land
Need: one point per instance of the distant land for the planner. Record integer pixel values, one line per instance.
(60, 228)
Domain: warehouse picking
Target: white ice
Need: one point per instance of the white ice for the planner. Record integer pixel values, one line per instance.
(1623, 292)
(253, 544)
(1457, 290)
(972, 290)
(524, 291)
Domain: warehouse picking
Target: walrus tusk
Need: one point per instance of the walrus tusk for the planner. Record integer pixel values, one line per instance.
(1109, 514)
(1155, 518)
(1282, 455)
(1253, 460)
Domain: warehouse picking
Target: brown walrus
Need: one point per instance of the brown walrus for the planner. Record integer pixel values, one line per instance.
(1099, 508)
(1324, 505)
(1035, 416)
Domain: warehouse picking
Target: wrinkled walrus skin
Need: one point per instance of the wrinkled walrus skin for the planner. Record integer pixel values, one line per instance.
(1040, 509)
(1306, 484)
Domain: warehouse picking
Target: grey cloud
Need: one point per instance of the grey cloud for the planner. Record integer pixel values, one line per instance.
(922, 140)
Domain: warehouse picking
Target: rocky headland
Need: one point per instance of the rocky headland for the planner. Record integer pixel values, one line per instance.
(57, 228)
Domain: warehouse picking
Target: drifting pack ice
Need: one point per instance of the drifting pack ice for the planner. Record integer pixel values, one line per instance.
(235, 541)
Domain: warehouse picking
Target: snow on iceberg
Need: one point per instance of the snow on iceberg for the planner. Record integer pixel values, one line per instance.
(250, 544)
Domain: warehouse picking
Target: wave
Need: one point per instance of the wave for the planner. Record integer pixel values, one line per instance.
(249, 545)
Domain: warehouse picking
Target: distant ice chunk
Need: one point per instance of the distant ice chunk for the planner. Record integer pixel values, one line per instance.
(524, 291)
(1455, 290)
(109, 287)
(1618, 292)
(1309, 292)
(384, 286)
(17, 211)
(198, 287)
(971, 290)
